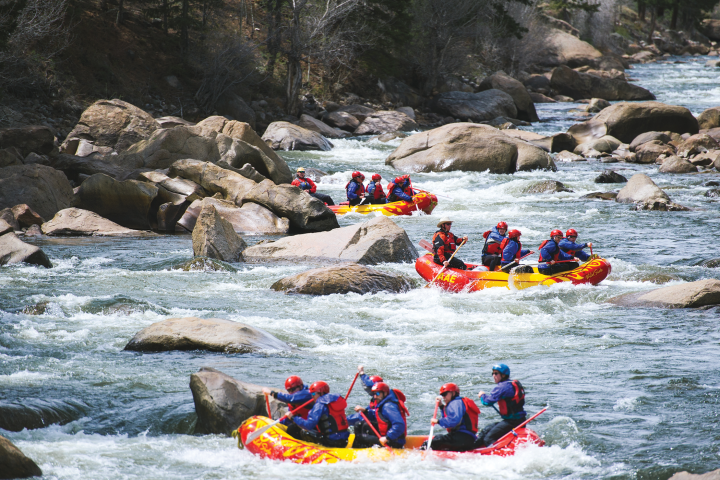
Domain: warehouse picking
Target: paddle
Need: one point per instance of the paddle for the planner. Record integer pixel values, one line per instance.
(426, 245)
(374, 429)
(444, 267)
(514, 262)
(267, 405)
(257, 433)
(352, 385)
(512, 432)
(432, 425)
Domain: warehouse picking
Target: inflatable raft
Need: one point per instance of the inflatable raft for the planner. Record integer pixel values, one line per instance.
(593, 272)
(276, 444)
(424, 202)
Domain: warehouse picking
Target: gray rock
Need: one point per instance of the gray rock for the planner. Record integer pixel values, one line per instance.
(562, 48)
(385, 122)
(610, 176)
(9, 157)
(343, 120)
(378, 240)
(713, 193)
(604, 144)
(78, 222)
(677, 165)
(566, 156)
(14, 463)
(342, 279)
(234, 106)
(33, 231)
(13, 250)
(250, 219)
(477, 107)
(709, 118)
(651, 152)
(5, 227)
(715, 474)
(215, 237)
(601, 195)
(646, 137)
(212, 334)
(360, 112)
(126, 203)
(596, 105)
(171, 122)
(204, 264)
(286, 136)
(32, 138)
(540, 98)
(521, 97)
(547, 186)
(687, 295)
(6, 214)
(567, 81)
(42, 188)
(641, 188)
(315, 125)
(34, 158)
(410, 112)
(698, 143)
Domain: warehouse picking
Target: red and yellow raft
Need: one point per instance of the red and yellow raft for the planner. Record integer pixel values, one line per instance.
(593, 272)
(424, 202)
(276, 444)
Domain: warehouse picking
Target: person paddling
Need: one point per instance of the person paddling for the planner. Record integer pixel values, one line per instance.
(297, 394)
(391, 416)
(459, 417)
(492, 253)
(569, 246)
(355, 189)
(375, 193)
(356, 419)
(307, 185)
(550, 253)
(512, 250)
(444, 245)
(400, 189)
(509, 396)
(326, 422)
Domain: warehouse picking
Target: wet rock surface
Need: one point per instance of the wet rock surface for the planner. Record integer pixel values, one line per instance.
(342, 279)
(687, 295)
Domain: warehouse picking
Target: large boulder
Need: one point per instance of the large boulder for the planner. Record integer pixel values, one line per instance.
(521, 97)
(250, 219)
(546, 186)
(531, 157)
(675, 164)
(650, 152)
(42, 188)
(646, 137)
(385, 122)
(641, 188)
(561, 48)
(610, 176)
(315, 125)
(33, 138)
(214, 179)
(477, 107)
(222, 403)
(686, 295)
(341, 120)
(212, 334)
(711, 29)
(378, 240)
(625, 121)
(114, 124)
(76, 221)
(126, 203)
(5, 227)
(341, 279)
(181, 186)
(286, 136)
(24, 216)
(361, 112)
(709, 118)
(14, 250)
(698, 143)
(605, 144)
(14, 463)
(715, 474)
(567, 81)
(234, 106)
(215, 237)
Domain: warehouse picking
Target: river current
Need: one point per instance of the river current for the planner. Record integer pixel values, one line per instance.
(633, 392)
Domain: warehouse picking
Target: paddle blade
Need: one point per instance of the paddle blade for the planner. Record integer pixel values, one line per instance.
(426, 245)
(257, 433)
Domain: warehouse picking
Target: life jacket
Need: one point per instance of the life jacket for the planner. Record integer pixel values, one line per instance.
(514, 404)
(376, 192)
(391, 197)
(491, 247)
(470, 418)
(359, 191)
(504, 243)
(555, 257)
(303, 412)
(384, 425)
(335, 420)
(448, 241)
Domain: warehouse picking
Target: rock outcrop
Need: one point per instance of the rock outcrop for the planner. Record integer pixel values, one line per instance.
(287, 136)
(42, 188)
(342, 279)
(376, 241)
(646, 137)
(651, 152)
(625, 121)
(686, 295)
(476, 107)
(222, 403)
(126, 203)
(343, 120)
(386, 121)
(27, 140)
(13, 250)
(315, 125)
(709, 118)
(677, 165)
(76, 221)
(250, 219)
(214, 237)
(561, 48)
(14, 463)
(698, 143)
(521, 97)
(567, 81)
(212, 334)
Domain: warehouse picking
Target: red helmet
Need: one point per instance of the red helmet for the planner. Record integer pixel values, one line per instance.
(502, 225)
(376, 177)
(357, 174)
(292, 382)
(514, 234)
(399, 180)
(449, 387)
(381, 387)
(571, 233)
(555, 233)
(320, 387)
(375, 378)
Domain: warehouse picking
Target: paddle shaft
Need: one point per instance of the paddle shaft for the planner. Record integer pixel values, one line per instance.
(444, 267)
(432, 425)
(351, 385)
(257, 433)
(267, 405)
(512, 432)
(373, 428)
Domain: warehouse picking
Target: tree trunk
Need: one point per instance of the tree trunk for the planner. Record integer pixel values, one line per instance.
(184, 13)
(641, 10)
(274, 17)
(653, 12)
(119, 18)
(294, 65)
(674, 19)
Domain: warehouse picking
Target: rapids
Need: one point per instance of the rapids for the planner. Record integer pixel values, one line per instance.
(633, 393)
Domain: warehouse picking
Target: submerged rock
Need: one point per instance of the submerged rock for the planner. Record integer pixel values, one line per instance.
(610, 176)
(14, 463)
(212, 334)
(547, 186)
(204, 264)
(641, 188)
(687, 295)
(601, 195)
(344, 278)
(386, 122)
(215, 237)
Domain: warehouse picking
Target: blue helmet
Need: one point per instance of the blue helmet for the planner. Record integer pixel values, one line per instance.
(502, 368)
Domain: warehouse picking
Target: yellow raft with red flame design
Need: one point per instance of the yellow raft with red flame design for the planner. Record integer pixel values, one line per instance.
(593, 272)
(423, 202)
(276, 444)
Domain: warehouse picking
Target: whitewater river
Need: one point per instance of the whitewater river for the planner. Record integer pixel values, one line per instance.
(633, 393)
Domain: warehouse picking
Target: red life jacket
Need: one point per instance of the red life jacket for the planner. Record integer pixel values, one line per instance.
(504, 243)
(384, 425)
(377, 192)
(470, 418)
(391, 192)
(491, 247)
(555, 257)
(360, 189)
(449, 245)
(303, 412)
(514, 404)
(336, 421)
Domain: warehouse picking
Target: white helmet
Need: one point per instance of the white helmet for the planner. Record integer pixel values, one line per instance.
(444, 220)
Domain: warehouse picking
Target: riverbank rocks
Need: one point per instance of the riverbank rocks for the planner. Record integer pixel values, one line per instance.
(79, 222)
(42, 188)
(625, 121)
(223, 403)
(287, 136)
(567, 81)
(709, 118)
(641, 188)
(523, 103)
(343, 120)
(547, 186)
(604, 144)
(675, 164)
(610, 176)
(26, 140)
(646, 137)
(687, 295)
(214, 237)
(386, 121)
(125, 203)
(113, 124)
(695, 144)
(476, 107)
(250, 219)
(343, 279)
(715, 474)
(211, 334)
(13, 250)
(378, 240)
(596, 105)
(315, 125)
(14, 463)
(561, 48)
(651, 152)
